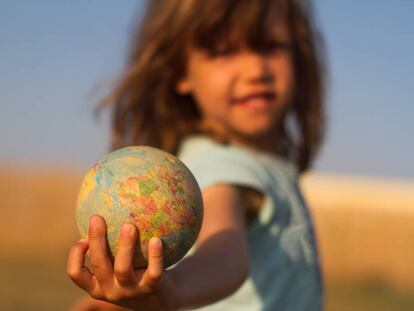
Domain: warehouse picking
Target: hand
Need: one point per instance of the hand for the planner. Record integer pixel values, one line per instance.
(118, 282)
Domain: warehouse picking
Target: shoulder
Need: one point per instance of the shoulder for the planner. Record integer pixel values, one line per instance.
(213, 163)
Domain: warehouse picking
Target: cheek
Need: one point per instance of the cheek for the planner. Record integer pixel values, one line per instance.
(212, 93)
(285, 77)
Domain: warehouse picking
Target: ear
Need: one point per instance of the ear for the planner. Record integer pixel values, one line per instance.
(183, 86)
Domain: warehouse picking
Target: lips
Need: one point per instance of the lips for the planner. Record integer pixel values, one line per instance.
(256, 101)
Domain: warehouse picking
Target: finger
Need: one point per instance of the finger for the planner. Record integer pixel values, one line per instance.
(98, 255)
(123, 268)
(155, 263)
(76, 270)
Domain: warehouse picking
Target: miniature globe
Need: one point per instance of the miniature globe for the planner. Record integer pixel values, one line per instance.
(150, 188)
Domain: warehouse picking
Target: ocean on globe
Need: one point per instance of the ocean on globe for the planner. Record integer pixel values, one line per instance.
(150, 188)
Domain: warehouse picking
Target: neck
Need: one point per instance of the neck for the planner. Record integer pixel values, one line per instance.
(267, 142)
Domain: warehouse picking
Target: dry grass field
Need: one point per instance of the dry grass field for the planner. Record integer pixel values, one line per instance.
(364, 226)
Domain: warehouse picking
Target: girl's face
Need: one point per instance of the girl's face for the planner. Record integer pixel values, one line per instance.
(242, 94)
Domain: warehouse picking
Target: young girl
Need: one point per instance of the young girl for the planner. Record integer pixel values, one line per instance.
(235, 89)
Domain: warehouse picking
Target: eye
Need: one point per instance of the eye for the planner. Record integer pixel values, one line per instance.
(220, 52)
(277, 46)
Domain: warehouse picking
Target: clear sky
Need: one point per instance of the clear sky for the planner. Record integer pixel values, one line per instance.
(54, 53)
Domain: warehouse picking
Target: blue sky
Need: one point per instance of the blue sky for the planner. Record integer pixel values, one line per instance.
(54, 53)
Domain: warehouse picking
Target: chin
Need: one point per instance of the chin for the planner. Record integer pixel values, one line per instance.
(258, 130)
(256, 134)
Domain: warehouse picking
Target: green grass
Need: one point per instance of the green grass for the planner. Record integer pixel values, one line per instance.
(29, 284)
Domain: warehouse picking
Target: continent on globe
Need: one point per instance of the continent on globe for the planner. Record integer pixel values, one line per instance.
(150, 188)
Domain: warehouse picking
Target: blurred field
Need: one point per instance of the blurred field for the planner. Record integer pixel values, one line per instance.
(365, 230)
(37, 225)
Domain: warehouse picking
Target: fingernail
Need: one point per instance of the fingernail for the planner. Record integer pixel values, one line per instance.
(83, 241)
(127, 228)
(155, 242)
(93, 220)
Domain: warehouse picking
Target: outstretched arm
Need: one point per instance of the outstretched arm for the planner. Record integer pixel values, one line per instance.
(218, 267)
(221, 263)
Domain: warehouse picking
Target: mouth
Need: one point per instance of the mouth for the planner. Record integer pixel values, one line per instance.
(256, 101)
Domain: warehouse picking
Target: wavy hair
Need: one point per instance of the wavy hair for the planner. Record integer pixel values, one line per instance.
(146, 109)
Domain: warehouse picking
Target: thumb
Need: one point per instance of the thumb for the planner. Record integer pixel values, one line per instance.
(155, 262)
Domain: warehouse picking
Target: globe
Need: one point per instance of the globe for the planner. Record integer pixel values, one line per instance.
(149, 188)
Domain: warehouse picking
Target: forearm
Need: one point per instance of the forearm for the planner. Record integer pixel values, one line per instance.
(217, 269)
(88, 303)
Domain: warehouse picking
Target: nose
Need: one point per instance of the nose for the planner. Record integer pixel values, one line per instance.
(255, 68)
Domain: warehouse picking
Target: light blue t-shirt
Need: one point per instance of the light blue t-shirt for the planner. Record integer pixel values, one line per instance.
(284, 272)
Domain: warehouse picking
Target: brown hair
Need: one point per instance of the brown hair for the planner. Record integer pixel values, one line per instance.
(146, 107)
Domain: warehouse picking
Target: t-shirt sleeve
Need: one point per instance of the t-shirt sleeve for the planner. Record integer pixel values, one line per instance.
(212, 164)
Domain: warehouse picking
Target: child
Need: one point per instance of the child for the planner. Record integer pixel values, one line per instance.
(235, 89)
